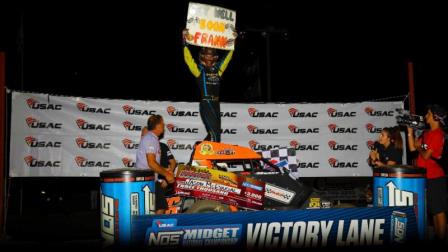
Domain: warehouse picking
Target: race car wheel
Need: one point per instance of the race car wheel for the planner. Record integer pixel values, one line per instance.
(208, 206)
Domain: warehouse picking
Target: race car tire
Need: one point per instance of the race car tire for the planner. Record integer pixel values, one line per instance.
(208, 206)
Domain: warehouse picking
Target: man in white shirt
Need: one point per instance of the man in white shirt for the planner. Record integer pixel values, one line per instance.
(148, 157)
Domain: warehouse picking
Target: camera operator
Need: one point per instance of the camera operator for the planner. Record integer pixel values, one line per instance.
(429, 147)
(388, 150)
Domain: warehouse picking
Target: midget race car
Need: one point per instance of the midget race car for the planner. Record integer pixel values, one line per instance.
(224, 178)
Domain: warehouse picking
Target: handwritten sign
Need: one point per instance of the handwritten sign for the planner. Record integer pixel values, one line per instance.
(211, 26)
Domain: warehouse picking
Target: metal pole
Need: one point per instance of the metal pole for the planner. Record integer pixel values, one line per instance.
(259, 93)
(2, 137)
(20, 51)
(267, 33)
(21, 198)
(411, 93)
(411, 87)
(268, 67)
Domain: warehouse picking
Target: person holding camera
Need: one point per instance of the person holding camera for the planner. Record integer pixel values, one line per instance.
(430, 147)
(388, 150)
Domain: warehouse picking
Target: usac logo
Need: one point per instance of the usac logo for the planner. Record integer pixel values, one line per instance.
(33, 104)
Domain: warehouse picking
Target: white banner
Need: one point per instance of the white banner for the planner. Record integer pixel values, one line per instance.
(70, 136)
(211, 26)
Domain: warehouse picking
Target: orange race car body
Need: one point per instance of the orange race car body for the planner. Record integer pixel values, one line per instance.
(236, 176)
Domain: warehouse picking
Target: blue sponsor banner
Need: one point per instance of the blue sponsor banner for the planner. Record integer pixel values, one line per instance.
(278, 229)
(166, 233)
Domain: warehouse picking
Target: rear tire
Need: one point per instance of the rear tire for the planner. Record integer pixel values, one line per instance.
(208, 206)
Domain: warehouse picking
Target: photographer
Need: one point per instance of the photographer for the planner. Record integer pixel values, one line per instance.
(430, 147)
(388, 149)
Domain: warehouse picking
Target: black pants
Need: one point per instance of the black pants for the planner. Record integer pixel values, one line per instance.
(161, 203)
(211, 117)
(436, 195)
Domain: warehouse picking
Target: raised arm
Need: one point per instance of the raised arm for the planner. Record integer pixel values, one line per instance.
(189, 60)
(223, 64)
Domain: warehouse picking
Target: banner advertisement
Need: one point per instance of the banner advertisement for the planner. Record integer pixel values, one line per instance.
(278, 229)
(75, 136)
(226, 187)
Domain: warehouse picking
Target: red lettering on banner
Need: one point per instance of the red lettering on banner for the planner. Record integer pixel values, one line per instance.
(210, 40)
(196, 37)
(204, 38)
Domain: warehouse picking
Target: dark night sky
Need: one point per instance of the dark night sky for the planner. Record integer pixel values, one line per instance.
(331, 53)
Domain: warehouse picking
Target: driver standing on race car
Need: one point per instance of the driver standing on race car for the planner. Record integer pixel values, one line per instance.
(208, 74)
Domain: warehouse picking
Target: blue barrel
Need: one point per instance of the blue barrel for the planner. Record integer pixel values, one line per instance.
(124, 193)
(402, 186)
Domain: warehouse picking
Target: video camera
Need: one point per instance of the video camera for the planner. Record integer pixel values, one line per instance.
(405, 118)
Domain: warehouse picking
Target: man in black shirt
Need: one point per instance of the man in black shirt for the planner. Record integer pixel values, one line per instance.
(166, 160)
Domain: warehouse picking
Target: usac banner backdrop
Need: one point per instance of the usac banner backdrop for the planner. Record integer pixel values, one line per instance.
(74, 136)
